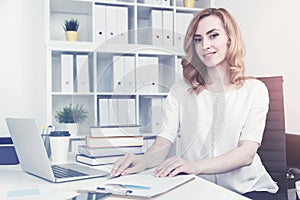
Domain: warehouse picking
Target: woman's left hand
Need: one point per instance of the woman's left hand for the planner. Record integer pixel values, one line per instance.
(174, 166)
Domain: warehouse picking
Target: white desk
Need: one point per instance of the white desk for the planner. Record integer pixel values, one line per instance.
(14, 182)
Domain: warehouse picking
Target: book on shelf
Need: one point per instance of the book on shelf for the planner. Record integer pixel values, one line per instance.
(108, 131)
(97, 160)
(115, 141)
(109, 151)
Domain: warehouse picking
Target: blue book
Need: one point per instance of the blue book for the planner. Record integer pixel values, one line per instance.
(8, 154)
(109, 151)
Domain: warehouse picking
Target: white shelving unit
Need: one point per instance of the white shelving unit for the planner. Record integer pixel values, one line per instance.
(145, 68)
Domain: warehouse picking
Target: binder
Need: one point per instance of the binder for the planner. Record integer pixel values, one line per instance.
(123, 118)
(129, 73)
(118, 74)
(113, 112)
(103, 112)
(82, 64)
(167, 16)
(156, 115)
(156, 25)
(187, 18)
(124, 73)
(131, 108)
(111, 23)
(100, 24)
(111, 26)
(147, 74)
(179, 70)
(182, 22)
(179, 38)
(121, 25)
(148, 1)
(157, 2)
(67, 73)
(165, 2)
(126, 112)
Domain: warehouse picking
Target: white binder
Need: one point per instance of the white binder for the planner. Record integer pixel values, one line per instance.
(121, 25)
(82, 70)
(111, 26)
(113, 111)
(67, 73)
(187, 18)
(148, 1)
(131, 111)
(182, 22)
(156, 115)
(156, 25)
(165, 2)
(129, 73)
(118, 74)
(179, 36)
(100, 24)
(157, 2)
(167, 28)
(123, 112)
(103, 112)
(147, 74)
(179, 69)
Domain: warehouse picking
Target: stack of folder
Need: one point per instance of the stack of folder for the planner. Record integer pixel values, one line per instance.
(106, 145)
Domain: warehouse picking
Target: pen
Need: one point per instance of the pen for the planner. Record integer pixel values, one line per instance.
(115, 189)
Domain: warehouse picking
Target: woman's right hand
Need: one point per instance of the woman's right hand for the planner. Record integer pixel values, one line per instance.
(129, 164)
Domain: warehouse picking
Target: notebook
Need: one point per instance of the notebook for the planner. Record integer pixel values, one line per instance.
(33, 156)
(143, 185)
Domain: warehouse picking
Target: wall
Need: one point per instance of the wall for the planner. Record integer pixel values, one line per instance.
(22, 61)
(270, 29)
(271, 33)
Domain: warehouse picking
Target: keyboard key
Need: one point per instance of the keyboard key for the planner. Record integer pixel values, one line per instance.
(61, 172)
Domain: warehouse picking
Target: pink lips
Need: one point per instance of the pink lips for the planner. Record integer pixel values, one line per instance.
(209, 54)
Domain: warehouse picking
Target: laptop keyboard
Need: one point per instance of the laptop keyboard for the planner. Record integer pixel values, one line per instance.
(61, 172)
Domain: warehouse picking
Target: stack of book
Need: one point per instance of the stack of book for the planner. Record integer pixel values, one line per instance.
(106, 145)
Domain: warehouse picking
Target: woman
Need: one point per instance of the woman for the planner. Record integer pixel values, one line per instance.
(218, 113)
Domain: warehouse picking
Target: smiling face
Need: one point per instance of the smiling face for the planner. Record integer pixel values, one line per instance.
(211, 41)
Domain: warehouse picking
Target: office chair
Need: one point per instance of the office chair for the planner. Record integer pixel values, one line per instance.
(8, 154)
(273, 147)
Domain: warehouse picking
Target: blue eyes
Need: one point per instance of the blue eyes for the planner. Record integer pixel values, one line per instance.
(214, 35)
(198, 39)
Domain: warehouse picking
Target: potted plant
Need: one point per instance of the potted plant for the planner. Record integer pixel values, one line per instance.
(71, 27)
(71, 116)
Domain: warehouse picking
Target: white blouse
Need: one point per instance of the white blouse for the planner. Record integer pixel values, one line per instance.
(211, 124)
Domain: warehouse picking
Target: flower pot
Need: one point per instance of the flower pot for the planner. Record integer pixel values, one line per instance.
(72, 128)
(71, 35)
(189, 3)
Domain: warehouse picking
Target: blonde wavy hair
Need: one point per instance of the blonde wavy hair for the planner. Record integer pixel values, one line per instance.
(194, 71)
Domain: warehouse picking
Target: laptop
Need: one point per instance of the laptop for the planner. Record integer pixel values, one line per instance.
(34, 159)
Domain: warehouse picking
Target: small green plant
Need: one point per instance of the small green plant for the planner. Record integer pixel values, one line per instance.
(71, 25)
(70, 114)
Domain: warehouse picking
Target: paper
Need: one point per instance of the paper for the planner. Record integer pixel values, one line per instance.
(154, 185)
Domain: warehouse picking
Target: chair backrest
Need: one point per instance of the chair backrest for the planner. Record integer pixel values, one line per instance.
(8, 154)
(273, 147)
